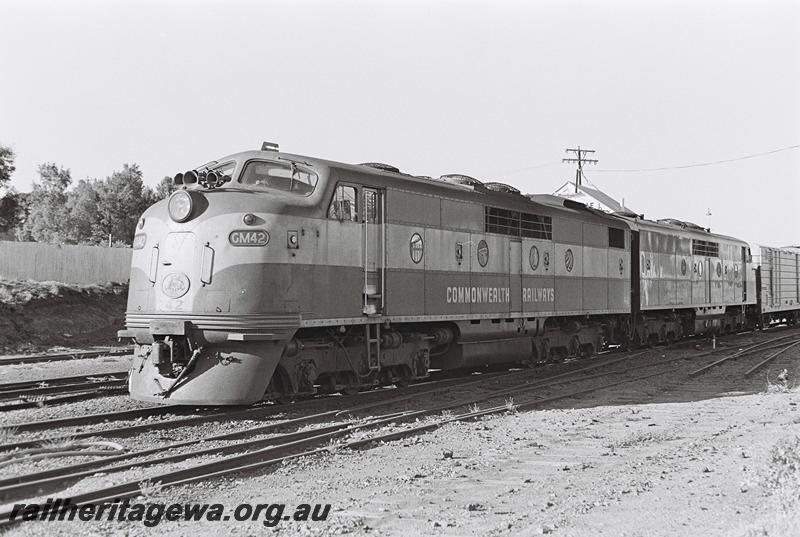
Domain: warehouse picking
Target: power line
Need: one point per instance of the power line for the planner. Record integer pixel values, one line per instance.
(501, 175)
(699, 164)
(580, 159)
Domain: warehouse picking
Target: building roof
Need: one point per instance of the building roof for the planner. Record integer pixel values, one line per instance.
(567, 190)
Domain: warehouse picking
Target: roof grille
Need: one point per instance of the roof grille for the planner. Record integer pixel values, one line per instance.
(458, 179)
(381, 166)
(502, 187)
(681, 223)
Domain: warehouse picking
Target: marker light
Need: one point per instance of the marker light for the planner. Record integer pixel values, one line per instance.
(180, 206)
(249, 219)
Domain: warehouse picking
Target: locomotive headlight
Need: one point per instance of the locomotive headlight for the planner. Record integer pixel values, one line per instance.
(139, 241)
(180, 206)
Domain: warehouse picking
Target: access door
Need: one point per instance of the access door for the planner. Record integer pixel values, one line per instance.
(374, 261)
(744, 272)
(515, 275)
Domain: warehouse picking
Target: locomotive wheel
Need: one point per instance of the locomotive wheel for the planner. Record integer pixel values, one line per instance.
(574, 348)
(652, 340)
(347, 383)
(283, 399)
(401, 377)
(670, 338)
(534, 357)
(547, 352)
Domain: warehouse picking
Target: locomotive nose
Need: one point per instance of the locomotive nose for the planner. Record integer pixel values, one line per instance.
(176, 270)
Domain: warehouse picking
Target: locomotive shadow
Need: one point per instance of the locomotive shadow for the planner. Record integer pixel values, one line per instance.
(725, 380)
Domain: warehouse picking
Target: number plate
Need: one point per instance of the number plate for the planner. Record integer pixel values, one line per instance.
(249, 237)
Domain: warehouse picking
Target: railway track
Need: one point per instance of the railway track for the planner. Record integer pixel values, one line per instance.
(363, 399)
(77, 355)
(37, 393)
(774, 343)
(254, 451)
(284, 445)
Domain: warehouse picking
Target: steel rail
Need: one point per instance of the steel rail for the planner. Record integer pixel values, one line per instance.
(160, 410)
(769, 358)
(272, 426)
(261, 457)
(55, 380)
(64, 388)
(16, 485)
(745, 351)
(37, 403)
(35, 358)
(184, 409)
(11, 488)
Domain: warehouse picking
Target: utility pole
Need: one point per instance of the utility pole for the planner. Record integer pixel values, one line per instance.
(580, 159)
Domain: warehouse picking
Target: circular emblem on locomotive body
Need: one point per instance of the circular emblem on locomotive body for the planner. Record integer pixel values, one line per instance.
(416, 248)
(533, 258)
(683, 267)
(569, 259)
(175, 284)
(483, 253)
(719, 269)
(621, 267)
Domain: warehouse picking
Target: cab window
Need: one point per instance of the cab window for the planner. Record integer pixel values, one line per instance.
(287, 177)
(344, 205)
(225, 169)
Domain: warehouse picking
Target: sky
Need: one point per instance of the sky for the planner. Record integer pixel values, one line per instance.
(496, 90)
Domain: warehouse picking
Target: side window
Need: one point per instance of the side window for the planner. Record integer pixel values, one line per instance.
(371, 210)
(616, 238)
(344, 205)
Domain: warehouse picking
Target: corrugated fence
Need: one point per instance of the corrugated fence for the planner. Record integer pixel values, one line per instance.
(67, 264)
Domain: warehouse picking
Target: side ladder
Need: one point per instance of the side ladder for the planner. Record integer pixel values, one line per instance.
(372, 340)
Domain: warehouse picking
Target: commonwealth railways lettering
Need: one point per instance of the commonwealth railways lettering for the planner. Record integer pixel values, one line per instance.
(488, 295)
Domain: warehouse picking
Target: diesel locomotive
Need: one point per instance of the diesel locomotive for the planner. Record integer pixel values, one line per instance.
(267, 275)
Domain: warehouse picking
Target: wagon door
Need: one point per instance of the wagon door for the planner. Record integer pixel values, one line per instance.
(374, 262)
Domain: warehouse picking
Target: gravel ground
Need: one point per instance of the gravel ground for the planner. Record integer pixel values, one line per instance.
(63, 368)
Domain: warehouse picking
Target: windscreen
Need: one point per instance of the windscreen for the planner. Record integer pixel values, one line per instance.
(287, 177)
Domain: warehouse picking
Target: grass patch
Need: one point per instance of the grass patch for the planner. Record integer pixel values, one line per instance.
(150, 489)
(18, 292)
(510, 406)
(782, 479)
(7, 435)
(642, 438)
(781, 384)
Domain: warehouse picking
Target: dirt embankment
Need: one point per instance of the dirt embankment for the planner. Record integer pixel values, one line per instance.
(35, 316)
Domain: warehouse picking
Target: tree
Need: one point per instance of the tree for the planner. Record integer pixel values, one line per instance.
(9, 210)
(47, 218)
(6, 165)
(164, 188)
(84, 213)
(122, 198)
